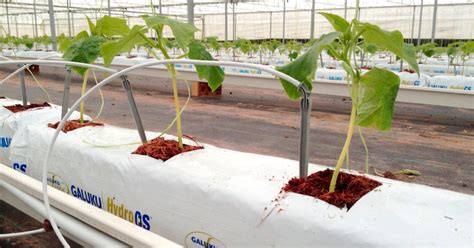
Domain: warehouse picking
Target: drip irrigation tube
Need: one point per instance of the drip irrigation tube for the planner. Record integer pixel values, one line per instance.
(45, 190)
(305, 109)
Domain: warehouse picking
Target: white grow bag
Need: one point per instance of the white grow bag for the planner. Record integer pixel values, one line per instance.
(453, 82)
(412, 79)
(228, 196)
(12, 122)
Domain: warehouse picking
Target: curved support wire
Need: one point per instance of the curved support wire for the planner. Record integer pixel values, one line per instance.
(305, 106)
(25, 64)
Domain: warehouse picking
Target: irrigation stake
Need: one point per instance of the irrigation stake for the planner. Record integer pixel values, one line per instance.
(133, 106)
(23, 86)
(67, 83)
(305, 105)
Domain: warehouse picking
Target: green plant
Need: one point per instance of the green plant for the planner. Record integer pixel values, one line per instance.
(243, 45)
(213, 44)
(271, 46)
(44, 40)
(183, 34)
(293, 48)
(428, 50)
(466, 49)
(373, 93)
(28, 42)
(366, 52)
(86, 47)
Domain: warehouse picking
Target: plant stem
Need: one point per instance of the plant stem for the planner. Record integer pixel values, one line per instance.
(345, 149)
(172, 72)
(83, 91)
(179, 131)
(366, 151)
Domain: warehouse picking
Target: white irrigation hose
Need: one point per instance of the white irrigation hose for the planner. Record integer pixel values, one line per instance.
(102, 100)
(107, 80)
(124, 72)
(44, 182)
(18, 234)
(31, 73)
(23, 67)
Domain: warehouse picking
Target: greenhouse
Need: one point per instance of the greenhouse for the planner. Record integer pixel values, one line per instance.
(236, 123)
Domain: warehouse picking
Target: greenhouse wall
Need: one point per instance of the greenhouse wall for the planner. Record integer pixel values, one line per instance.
(453, 22)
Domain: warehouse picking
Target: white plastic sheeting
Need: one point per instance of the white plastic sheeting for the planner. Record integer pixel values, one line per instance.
(452, 82)
(227, 198)
(12, 122)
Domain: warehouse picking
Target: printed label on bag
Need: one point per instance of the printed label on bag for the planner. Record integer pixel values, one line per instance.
(202, 240)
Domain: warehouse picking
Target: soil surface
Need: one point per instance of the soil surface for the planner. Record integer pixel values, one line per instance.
(349, 188)
(19, 107)
(75, 124)
(162, 149)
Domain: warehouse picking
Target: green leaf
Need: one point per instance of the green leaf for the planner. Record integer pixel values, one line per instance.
(391, 41)
(337, 22)
(303, 68)
(111, 26)
(213, 74)
(91, 26)
(376, 104)
(65, 43)
(85, 50)
(183, 32)
(111, 48)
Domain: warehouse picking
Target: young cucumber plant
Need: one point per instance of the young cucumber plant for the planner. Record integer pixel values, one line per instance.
(184, 37)
(87, 47)
(373, 93)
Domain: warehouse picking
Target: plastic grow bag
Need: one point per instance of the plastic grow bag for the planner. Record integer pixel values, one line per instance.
(225, 198)
(331, 74)
(412, 79)
(12, 122)
(452, 82)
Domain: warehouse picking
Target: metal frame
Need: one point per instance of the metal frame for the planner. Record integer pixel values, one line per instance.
(83, 223)
(305, 110)
(135, 11)
(67, 81)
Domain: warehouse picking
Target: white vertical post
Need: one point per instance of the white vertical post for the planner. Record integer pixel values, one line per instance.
(413, 25)
(284, 21)
(419, 24)
(433, 26)
(108, 7)
(52, 25)
(35, 18)
(191, 12)
(203, 29)
(226, 23)
(8, 18)
(33, 27)
(68, 2)
(161, 8)
(312, 19)
(345, 9)
(16, 26)
(234, 25)
(271, 24)
(72, 23)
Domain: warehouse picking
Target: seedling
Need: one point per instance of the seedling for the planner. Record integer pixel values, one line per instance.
(86, 47)
(184, 36)
(373, 93)
(427, 50)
